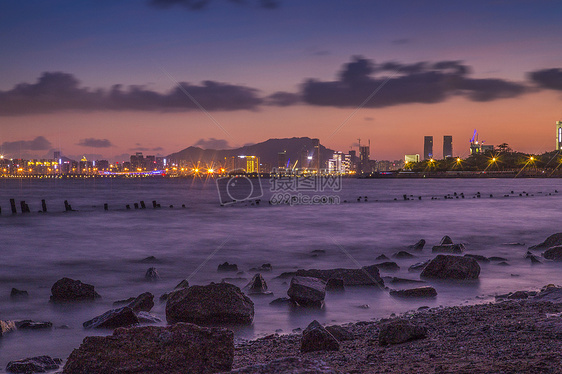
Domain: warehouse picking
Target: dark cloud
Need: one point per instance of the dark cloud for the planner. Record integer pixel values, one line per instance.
(282, 99)
(37, 144)
(95, 143)
(548, 78)
(212, 143)
(146, 149)
(54, 92)
(202, 4)
(421, 82)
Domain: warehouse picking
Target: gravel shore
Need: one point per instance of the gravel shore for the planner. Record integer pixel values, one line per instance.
(512, 336)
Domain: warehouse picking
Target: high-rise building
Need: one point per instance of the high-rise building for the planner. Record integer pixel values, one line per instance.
(364, 158)
(447, 146)
(282, 159)
(427, 147)
(558, 135)
(252, 164)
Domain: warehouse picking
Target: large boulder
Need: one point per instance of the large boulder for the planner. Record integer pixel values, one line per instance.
(18, 294)
(112, 319)
(550, 293)
(39, 364)
(177, 349)
(215, 303)
(257, 285)
(446, 246)
(552, 241)
(294, 365)
(553, 253)
(317, 338)
(340, 333)
(418, 246)
(451, 267)
(6, 327)
(28, 324)
(307, 291)
(388, 265)
(67, 289)
(144, 302)
(367, 275)
(415, 292)
(400, 331)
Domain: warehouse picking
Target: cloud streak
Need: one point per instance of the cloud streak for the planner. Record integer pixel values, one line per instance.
(548, 78)
(40, 143)
(95, 143)
(212, 143)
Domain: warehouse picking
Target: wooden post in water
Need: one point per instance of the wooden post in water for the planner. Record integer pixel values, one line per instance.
(154, 204)
(142, 204)
(22, 206)
(136, 205)
(44, 206)
(13, 205)
(105, 207)
(67, 206)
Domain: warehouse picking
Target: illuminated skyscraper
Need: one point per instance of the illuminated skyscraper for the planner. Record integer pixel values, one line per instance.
(447, 146)
(427, 147)
(558, 135)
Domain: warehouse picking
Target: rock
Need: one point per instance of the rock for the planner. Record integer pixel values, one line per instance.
(317, 338)
(503, 263)
(395, 280)
(144, 302)
(553, 253)
(400, 331)
(367, 275)
(124, 302)
(18, 294)
(149, 260)
(340, 333)
(264, 267)
(518, 295)
(415, 292)
(39, 364)
(403, 254)
(67, 289)
(28, 324)
(334, 284)
(478, 258)
(227, 267)
(452, 267)
(257, 285)
(183, 284)
(496, 258)
(280, 301)
(151, 275)
(550, 293)
(177, 349)
(145, 317)
(287, 274)
(307, 291)
(388, 265)
(418, 246)
(6, 327)
(121, 317)
(419, 266)
(215, 303)
(551, 241)
(534, 259)
(446, 240)
(294, 365)
(382, 258)
(448, 248)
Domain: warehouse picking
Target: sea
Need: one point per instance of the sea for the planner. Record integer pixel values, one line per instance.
(351, 223)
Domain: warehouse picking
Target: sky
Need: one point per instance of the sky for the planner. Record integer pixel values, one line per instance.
(107, 78)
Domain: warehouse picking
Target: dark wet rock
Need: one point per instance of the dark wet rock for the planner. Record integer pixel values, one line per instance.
(149, 260)
(363, 306)
(335, 284)
(307, 291)
(121, 317)
(183, 284)
(552, 241)
(281, 301)
(28, 324)
(6, 327)
(415, 292)
(388, 266)
(340, 333)
(446, 240)
(227, 267)
(479, 258)
(263, 268)
(18, 294)
(151, 275)
(418, 246)
(497, 258)
(67, 289)
(294, 365)
(382, 258)
(124, 302)
(400, 331)
(514, 244)
(553, 253)
(144, 302)
(452, 267)
(534, 259)
(215, 303)
(403, 254)
(503, 263)
(287, 274)
(257, 285)
(39, 364)
(318, 252)
(419, 266)
(448, 248)
(177, 349)
(145, 317)
(550, 293)
(367, 275)
(395, 280)
(317, 338)
(518, 295)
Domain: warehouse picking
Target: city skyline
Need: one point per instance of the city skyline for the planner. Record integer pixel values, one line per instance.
(111, 79)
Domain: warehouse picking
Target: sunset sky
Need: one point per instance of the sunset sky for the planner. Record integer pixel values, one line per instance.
(108, 78)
